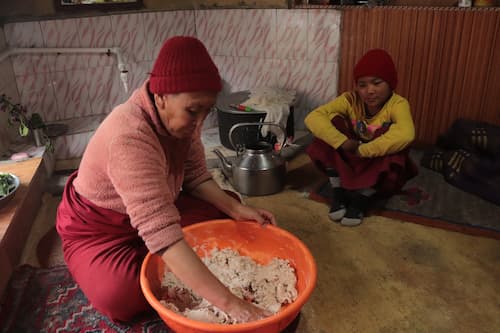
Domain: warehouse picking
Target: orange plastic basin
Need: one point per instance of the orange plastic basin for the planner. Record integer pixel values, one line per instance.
(249, 239)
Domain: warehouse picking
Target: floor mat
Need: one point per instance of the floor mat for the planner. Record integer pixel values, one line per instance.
(428, 199)
(48, 300)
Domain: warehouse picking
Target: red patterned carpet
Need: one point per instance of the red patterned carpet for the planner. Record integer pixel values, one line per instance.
(48, 300)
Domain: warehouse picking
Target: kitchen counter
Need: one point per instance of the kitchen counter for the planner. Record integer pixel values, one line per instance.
(25, 170)
(17, 216)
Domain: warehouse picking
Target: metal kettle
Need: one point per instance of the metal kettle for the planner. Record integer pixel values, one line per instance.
(257, 168)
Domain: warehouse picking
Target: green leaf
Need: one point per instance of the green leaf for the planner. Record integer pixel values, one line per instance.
(23, 130)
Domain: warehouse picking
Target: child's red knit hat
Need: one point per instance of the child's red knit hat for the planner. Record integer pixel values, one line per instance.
(378, 63)
(184, 65)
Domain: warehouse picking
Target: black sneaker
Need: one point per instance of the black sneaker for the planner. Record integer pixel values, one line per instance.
(338, 204)
(355, 211)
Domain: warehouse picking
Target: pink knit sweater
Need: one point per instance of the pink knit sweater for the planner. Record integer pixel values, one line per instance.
(132, 165)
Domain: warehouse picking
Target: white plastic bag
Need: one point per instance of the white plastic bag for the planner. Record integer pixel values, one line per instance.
(276, 103)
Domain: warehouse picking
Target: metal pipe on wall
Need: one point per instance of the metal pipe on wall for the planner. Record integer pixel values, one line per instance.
(122, 68)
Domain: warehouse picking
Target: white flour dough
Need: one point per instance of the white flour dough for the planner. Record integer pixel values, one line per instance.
(267, 286)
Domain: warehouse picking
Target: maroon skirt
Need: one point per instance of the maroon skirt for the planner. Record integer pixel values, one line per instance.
(387, 174)
(104, 253)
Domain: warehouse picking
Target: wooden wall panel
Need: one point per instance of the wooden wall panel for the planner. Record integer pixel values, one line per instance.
(448, 60)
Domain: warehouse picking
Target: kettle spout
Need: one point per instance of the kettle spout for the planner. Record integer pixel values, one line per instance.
(227, 168)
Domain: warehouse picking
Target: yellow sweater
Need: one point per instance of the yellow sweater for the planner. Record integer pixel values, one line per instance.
(395, 114)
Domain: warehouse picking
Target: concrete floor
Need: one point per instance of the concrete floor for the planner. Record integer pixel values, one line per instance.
(383, 276)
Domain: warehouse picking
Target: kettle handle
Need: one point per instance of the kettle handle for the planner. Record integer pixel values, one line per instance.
(230, 135)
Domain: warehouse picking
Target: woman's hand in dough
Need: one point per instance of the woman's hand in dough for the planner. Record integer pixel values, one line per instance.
(243, 311)
(259, 215)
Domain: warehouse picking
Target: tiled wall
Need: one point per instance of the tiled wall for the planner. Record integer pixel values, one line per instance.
(293, 49)
(8, 87)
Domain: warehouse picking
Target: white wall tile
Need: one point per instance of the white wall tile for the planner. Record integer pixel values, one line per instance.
(67, 62)
(244, 73)
(8, 87)
(105, 89)
(315, 83)
(291, 39)
(29, 64)
(71, 93)
(129, 34)
(37, 94)
(138, 73)
(96, 32)
(8, 84)
(322, 83)
(162, 25)
(295, 75)
(63, 33)
(26, 34)
(323, 35)
(60, 33)
(238, 32)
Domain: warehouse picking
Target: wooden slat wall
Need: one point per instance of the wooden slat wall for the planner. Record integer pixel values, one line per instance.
(448, 60)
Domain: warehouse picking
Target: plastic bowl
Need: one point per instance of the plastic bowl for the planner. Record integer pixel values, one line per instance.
(249, 239)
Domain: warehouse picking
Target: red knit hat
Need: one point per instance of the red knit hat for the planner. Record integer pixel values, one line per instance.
(184, 65)
(378, 63)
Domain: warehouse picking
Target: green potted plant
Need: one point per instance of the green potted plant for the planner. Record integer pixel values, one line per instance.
(18, 116)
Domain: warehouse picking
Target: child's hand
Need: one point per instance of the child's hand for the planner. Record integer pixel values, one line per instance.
(350, 145)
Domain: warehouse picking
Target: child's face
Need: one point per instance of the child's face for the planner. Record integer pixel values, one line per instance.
(183, 114)
(373, 91)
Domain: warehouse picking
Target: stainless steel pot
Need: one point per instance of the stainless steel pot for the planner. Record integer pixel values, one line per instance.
(257, 168)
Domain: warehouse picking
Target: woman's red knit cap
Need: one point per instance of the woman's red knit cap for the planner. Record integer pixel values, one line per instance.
(378, 63)
(184, 65)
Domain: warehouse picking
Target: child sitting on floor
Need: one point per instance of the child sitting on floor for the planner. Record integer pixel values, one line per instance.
(361, 139)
